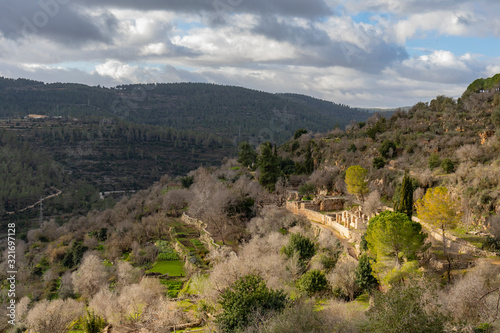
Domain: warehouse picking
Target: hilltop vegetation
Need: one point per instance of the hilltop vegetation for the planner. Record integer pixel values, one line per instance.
(232, 112)
(444, 142)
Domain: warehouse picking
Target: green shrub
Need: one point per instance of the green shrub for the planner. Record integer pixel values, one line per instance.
(247, 296)
(378, 162)
(301, 244)
(312, 282)
(447, 165)
(298, 133)
(167, 256)
(434, 161)
(187, 181)
(306, 190)
(92, 323)
(386, 147)
(364, 274)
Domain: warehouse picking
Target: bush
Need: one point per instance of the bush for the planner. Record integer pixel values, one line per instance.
(187, 181)
(301, 244)
(352, 148)
(306, 190)
(167, 256)
(312, 282)
(92, 323)
(378, 162)
(403, 309)
(434, 161)
(447, 165)
(298, 133)
(364, 274)
(386, 148)
(247, 296)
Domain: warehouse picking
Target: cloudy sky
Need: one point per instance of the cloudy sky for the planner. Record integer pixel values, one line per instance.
(369, 53)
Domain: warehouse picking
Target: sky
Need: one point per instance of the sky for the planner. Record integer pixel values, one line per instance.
(364, 53)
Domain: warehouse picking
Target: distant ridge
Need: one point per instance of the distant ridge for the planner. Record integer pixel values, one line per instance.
(232, 112)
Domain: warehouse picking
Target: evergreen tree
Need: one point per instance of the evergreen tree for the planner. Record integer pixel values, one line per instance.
(394, 235)
(309, 163)
(405, 204)
(247, 155)
(268, 167)
(364, 274)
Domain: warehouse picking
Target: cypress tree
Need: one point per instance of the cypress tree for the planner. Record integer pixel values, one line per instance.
(268, 167)
(309, 163)
(405, 204)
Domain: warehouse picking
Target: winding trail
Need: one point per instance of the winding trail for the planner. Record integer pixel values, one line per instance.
(38, 202)
(348, 246)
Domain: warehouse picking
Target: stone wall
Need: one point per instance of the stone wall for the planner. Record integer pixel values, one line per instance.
(331, 204)
(456, 243)
(341, 221)
(332, 222)
(205, 235)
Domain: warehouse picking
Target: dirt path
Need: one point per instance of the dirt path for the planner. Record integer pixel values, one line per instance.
(350, 249)
(38, 202)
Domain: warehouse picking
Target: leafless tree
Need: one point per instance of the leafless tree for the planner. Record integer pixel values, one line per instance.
(90, 276)
(66, 288)
(468, 153)
(127, 274)
(343, 276)
(474, 298)
(54, 316)
(372, 204)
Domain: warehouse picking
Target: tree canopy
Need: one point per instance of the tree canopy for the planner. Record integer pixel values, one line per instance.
(438, 209)
(393, 234)
(245, 297)
(355, 179)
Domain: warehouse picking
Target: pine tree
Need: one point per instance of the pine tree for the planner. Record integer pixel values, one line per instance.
(405, 204)
(268, 167)
(247, 155)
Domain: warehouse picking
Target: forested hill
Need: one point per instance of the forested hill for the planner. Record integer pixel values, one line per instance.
(445, 142)
(232, 112)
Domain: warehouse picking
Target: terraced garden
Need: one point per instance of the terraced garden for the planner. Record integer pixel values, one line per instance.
(170, 264)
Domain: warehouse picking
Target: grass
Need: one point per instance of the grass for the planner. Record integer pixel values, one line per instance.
(173, 287)
(363, 300)
(170, 267)
(475, 240)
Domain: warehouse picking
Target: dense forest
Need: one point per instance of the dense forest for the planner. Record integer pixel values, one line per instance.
(219, 250)
(232, 112)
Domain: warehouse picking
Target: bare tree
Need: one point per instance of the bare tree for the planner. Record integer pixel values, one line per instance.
(343, 276)
(90, 276)
(127, 274)
(474, 298)
(54, 316)
(372, 204)
(468, 153)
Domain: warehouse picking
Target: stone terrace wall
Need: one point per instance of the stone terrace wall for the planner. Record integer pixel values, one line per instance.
(300, 209)
(205, 235)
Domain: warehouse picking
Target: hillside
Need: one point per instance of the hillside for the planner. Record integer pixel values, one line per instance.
(226, 250)
(444, 142)
(232, 112)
